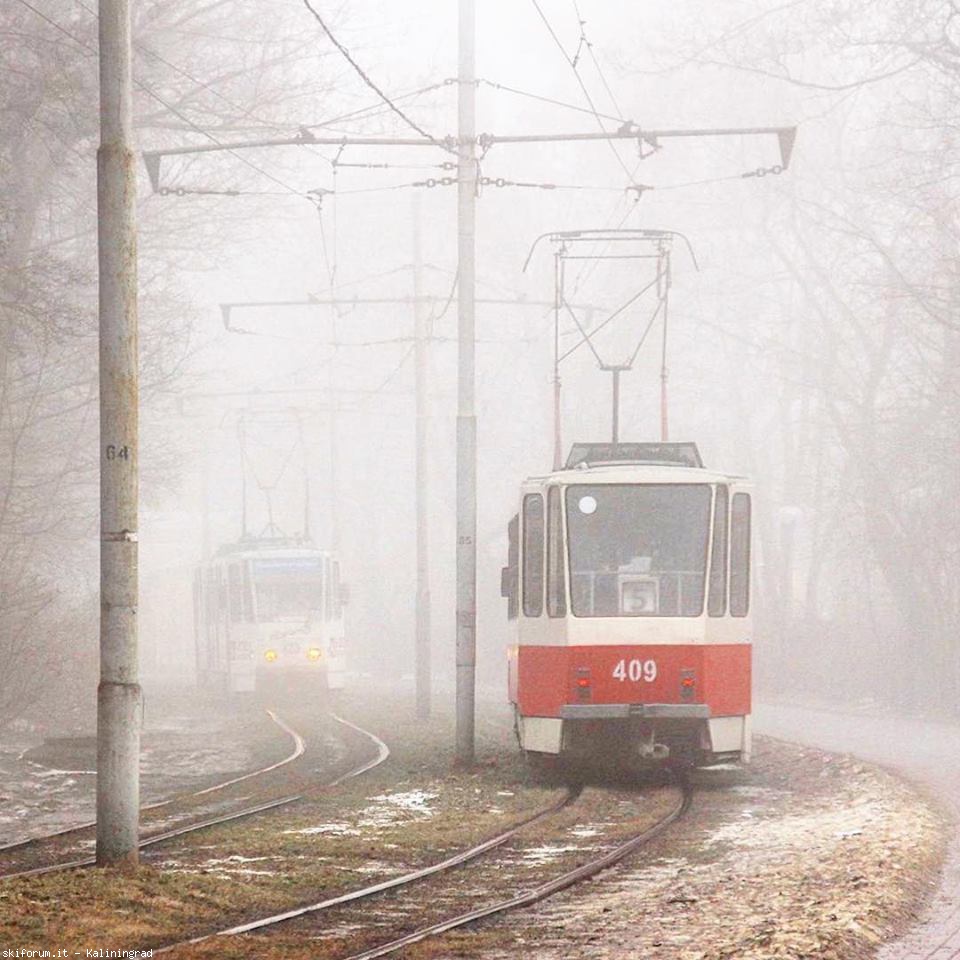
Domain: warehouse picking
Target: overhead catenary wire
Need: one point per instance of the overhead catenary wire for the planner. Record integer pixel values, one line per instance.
(364, 113)
(593, 57)
(542, 99)
(582, 85)
(371, 84)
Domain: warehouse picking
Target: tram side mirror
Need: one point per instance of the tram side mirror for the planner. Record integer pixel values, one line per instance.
(344, 594)
(506, 583)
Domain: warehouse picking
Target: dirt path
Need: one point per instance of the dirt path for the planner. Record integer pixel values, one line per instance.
(928, 753)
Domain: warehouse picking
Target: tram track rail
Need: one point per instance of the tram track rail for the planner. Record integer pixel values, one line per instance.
(299, 748)
(541, 892)
(520, 900)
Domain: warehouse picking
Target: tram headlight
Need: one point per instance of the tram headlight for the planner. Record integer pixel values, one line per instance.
(313, 653)
(270, 656)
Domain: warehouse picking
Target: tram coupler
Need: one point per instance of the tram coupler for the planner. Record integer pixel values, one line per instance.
(649, 748)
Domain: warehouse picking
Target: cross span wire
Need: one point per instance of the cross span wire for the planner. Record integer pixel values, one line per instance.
(370, 83)
(582, 85)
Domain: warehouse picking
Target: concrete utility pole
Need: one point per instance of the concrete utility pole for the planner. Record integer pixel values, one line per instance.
(466, 418)
(118, 695)
(422, 335)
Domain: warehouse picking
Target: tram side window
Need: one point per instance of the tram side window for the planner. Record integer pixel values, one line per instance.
(532, 555)
(556, 582)
(740, 555)
(327, 592)
(235, 586)
(508, 575)
(336, 590)
(247, 593)
(717, 604)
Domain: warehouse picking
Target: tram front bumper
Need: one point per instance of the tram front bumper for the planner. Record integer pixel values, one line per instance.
(623, 711)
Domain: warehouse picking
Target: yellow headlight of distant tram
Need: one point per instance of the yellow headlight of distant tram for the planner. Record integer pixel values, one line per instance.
(313, 653)
(270, 656)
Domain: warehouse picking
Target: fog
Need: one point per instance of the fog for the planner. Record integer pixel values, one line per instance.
(815, 349)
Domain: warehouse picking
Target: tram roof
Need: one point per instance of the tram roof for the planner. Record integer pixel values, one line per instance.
(268, 550)
(626, 472)
(633, 462)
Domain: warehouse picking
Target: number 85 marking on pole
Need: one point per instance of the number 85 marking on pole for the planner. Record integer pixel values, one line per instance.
(635, 671)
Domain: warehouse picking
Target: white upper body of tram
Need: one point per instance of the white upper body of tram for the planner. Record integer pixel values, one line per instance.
(267, 612)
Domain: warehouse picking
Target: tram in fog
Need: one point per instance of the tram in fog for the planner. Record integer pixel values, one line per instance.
(268, 617)
(628, 588)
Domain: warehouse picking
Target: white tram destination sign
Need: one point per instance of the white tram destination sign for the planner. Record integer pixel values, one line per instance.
(282, 565)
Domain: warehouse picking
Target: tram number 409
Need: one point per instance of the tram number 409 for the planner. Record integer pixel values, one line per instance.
(635, 671)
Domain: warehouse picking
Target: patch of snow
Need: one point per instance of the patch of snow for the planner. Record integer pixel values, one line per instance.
(536, 856)
(236, 858)
(587, 830)
(332, 829)
(755, 791)
(416, 801)
(795, 831)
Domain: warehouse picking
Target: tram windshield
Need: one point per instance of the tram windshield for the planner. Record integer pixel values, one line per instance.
(638, 549)
(288, 588)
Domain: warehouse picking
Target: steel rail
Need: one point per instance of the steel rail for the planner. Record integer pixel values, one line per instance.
(465, 856)
(383, 752)
(298, 749)
(543, 891)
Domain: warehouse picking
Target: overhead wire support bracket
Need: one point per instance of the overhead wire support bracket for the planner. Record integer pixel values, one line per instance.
(786, 137)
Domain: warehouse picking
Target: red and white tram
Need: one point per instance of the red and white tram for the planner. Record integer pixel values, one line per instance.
(628, 582)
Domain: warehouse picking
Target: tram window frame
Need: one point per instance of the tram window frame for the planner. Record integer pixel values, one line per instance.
(556, 556)
(247, 583)
(336, 589)
(235, 593)
(719, 553)
(509, 587)
(534, 555)
(327, 583)
(740, 554)
(703, 529)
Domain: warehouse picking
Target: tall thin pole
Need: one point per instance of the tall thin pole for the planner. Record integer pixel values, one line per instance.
(118, 694)
(663, 275)
(421, 335)
(616, 403)
(557, 303)
(205, 536)
(466, 418)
